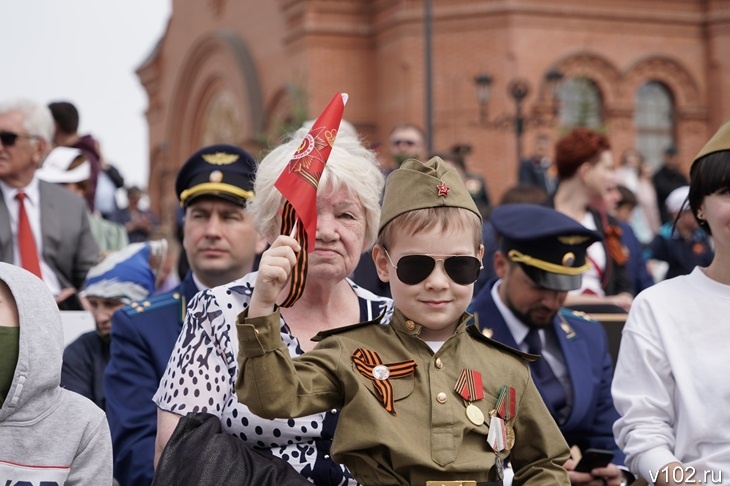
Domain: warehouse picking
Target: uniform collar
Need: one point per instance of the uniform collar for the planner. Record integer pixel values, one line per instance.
(402, 324)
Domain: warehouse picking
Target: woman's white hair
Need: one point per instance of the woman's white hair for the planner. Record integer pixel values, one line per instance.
(350, 165)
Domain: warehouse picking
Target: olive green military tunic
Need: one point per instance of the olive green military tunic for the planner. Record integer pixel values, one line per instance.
(428, 437)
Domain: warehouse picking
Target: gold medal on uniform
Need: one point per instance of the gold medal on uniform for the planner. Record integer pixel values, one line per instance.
(469, 386)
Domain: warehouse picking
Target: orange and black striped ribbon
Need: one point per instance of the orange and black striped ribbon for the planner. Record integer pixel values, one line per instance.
(365, 360)
(299, 272)
(469, 385)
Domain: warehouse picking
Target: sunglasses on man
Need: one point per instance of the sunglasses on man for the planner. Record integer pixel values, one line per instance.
(414, 269)
(8, 139)
(399, 142)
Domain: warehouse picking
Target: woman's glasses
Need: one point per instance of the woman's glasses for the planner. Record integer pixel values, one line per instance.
(8, 139)
(414, 269)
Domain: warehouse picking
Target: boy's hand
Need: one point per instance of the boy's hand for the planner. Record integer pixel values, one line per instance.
(274, 271)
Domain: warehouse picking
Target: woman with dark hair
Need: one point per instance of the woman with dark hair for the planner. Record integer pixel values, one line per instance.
(586, 178)
(673, 359)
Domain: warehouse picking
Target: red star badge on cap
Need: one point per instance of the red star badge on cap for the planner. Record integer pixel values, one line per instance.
(443, 189)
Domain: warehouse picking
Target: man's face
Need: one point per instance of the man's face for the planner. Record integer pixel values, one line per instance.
(532, 304)
(220, 240)
(8, 308)
(102, 310)
(19, 161)
(407, 143)
(671, 161)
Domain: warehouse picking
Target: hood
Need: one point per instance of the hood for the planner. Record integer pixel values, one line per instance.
(36, 383)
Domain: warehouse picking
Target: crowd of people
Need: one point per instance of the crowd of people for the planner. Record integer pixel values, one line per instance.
(441, 338)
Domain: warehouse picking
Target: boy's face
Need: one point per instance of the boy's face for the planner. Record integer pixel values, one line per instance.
(8, 308)
(102, 310)
(437, 302)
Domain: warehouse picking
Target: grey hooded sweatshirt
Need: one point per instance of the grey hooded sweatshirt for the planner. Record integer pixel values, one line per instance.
(48, 435)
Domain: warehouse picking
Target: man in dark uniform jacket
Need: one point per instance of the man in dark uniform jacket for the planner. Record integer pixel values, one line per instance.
(541, 256)
(221, 243)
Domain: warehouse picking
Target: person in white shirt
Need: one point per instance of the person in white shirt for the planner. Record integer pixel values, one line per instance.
(670, 385)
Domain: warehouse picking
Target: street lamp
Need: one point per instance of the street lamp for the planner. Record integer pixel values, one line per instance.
(518, 89)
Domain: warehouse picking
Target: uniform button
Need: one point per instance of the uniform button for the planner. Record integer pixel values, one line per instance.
(326, 456)
(410, 325)
(333, 411)
(439, 363)
(441, 397)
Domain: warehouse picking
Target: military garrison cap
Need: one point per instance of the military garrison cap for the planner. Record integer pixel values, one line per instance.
(223, 171)
(548, 245)
(720, 141)
(417, 185)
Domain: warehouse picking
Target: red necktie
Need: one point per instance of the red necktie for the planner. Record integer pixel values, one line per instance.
(26, 241)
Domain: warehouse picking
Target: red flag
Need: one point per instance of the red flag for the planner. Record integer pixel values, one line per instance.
(298, 184)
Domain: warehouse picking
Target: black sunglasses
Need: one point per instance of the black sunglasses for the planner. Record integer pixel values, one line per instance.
(9, 138)
(408, 143)
(414, 269)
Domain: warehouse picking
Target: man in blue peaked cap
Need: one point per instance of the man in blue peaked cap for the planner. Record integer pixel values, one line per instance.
(541, 256)
(221, 244)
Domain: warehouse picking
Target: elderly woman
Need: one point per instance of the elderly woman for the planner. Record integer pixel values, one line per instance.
(586, 179)
(202, 371)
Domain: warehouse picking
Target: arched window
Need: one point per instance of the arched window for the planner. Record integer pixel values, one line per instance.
(580, 103)
(654, 121)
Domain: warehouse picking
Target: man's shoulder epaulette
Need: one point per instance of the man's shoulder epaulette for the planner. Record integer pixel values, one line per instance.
(153, 303)
(473, 330)
(576, 315)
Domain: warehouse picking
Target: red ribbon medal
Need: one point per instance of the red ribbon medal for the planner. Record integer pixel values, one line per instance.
(469, 386)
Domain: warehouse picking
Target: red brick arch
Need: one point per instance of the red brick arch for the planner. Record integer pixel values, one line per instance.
(670, 73)
(598, 69)
(219, 62)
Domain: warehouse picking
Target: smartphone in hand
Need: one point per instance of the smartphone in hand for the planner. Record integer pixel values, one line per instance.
(593, 458)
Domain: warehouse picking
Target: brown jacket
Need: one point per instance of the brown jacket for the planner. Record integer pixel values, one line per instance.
(429, 437)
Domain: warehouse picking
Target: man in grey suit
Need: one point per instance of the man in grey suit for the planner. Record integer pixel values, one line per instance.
(63, 241)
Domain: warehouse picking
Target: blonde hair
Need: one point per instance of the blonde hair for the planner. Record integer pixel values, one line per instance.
(351, 165)
(425, 219)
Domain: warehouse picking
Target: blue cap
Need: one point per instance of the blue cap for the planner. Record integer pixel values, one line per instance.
(223, 171)
(125, 275)
(548, 245)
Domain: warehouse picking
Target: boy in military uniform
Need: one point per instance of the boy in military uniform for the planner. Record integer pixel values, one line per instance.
(426, 399)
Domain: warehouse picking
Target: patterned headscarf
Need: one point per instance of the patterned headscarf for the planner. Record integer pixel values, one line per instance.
(125, 275)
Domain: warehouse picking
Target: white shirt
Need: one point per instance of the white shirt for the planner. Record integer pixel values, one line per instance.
(596, 255)
(33, 210)
(551, 351)
(671, 386)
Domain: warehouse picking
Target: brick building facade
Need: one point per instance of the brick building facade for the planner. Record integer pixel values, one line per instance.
(239, 71)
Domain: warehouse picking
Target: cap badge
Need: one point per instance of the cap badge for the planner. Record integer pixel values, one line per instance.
(572, 240)
(443, 189)
(568, 259)
(220, 158)
(215, 176)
